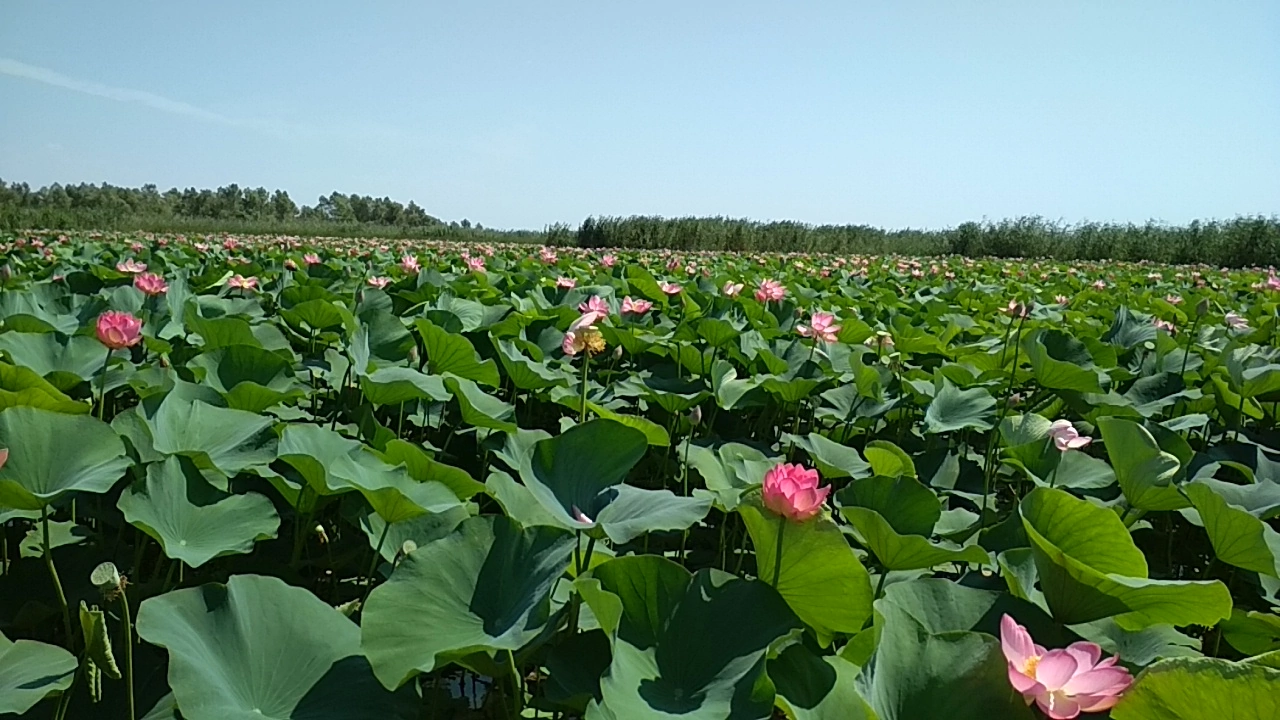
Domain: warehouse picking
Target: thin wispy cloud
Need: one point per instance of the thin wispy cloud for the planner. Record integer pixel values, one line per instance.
(14, 68)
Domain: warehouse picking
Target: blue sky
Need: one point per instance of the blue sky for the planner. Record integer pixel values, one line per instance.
(520, 114)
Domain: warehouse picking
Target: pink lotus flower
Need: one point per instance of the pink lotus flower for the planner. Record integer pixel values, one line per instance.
(1236, 322)
(635, 307)
(379, 282)
(792, 491)
(409, 263)
(671, 289)
(1164, 325)
(1066, 437)
(243, 283)
(821, 327)
(731, 289)
(311, 259)
(119, 330)
(609, 260)
(1062, 300)
(131, 266)
(577, 337)
(1063, 683)
(1016, 309)
(150, 284)
(547, 255)
(1173, 299)
(1100, 285)
(566, 283)
(475, 264)
(289, 264)
(595, 304)
(770, 290)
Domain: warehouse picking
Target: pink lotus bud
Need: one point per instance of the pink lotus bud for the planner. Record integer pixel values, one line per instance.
(150, 284)
(119, 330)
(1066, 437)
(792, 491)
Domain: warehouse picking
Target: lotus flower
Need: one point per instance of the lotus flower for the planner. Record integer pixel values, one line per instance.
(409, 264)
(242, 282)
(475, 264)
(635, 307)
(1173, 299)
(792, 491)
(821, 327)
(150, 284)
(770, 290)
(582, 517)
(595, 304)
(1017, 309)
(1062, 300)
(731, 289)
(311, 259)
(289, 264)
(609, 260)
(1164, 325)
(671, 289)
(1236, 322)
(1066, 437)
(547, 255)
(1063, 683)
(131, 266)
(565, 283)
(379, 282)
(1100, 285)
(119, 330)
(583, 335)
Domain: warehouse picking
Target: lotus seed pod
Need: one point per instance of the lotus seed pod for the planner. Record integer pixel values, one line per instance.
(106, 578)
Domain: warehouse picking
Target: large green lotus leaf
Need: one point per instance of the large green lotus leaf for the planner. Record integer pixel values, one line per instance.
(1252, 633)
(39, 308)
(395, 385)
(451, 353)
(1238, 538)
(193, 521)
(832, 459)
(908, 506)
(528, 374)
(906, 552)
(317, 314)
(64, 361)
(655, 433)
(632, 512)
(517, 502)
(577, 468)
(659, 620)
(953, 409)
(1045, 465)
(1090, 569)
(1202, 689)
(889, 460)
(220, 332)
(250, 378)
(1061, 362)
(1130, 329)
(730, 471)
(479, 408)
(821, 578)
(420, 531)
(485, 587)
(423, 468)
(1018, 430)
(1144, 472)
(1140, 647)
(52, 453)
(214, 437)
(257, 648)
(815, 687)
(31, 670)
(23, 387)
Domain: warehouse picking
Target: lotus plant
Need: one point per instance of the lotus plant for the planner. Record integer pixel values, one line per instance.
(1062, 683)
(821, 327)
(150, 284)
(770, 291)
(635, 307)
(794, 494)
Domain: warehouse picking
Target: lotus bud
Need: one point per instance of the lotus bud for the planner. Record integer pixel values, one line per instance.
(695, 415)
(322, 535)
(617, 353)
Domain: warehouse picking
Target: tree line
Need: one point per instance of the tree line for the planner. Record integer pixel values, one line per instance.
(1236, 242)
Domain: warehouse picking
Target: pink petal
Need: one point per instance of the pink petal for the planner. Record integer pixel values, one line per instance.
(1015, 641)
(1085, 653)
(1058, 707)
(1055, 669)
(1076, 443)
(1107, 681)
(1097, 703)
(1023, 682)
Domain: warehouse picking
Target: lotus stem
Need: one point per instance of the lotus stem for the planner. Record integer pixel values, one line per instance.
(53, 573)
(586, 366)
(777, 557)
(127, 616)
(517, 683)
(102, 390)
(373, 566)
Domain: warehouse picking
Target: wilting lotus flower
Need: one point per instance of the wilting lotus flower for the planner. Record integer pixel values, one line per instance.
(792, 491)
(1066, 437)
(731, 289)
(609, 260)
(1063, 683)
(131, 266)
(119, 330)
(565, 283)
(1237, 322)
(409, 263)
(770, 290)
(821, 327)
(475, 264)
(635, 307)
(242, 282)
(311, 259)
(150, 284)
(595, 304)
(583, 335)
(671, 289)
(379, 282)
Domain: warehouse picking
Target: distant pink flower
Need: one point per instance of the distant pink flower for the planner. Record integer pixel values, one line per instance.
(1164, 325)
(792, 491)
(547, 255)
(1173, 299)
(595, 304)
(131, 266)
(609, 260)
(635, 307)
(1016, 309)
(1063, 683)
(770, 291)
(475, 264)
(379, 282)
(243, 283)
(671, 289)
(1236, 322)
(289, 264)
(566, 283)
(150, 284)
(1100, 285)
(731, 289)
(311, 259)
(409, 263)
(1066, 437)
(821, 327)
(118, 330)
(1062, 300)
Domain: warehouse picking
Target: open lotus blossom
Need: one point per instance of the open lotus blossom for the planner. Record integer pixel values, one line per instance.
(635, 307)
(1017, 309)
(1164, 325)
(770, 291)
(1236, 322)
(1173, 299)
(566, 283)
(1062, 682)
(1099, 284)
(289, 264)
(475, 264)
(547, 255)
(311, 259)
(379, 282)
(1066, 437)
(150, 284)
(1062, 300)
(1273, 282)
(731, 289)
(583, 335)
(131, 266)
(243, 283)
(670, 288)
(119, 330)
(821, 327)
(792, 491)
(609, 260)
(595, 304)
(409, 263)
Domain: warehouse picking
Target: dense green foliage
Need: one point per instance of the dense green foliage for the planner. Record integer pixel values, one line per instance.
(1240, 242)
(398, 480)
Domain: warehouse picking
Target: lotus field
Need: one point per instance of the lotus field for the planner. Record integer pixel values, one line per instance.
(266, 477)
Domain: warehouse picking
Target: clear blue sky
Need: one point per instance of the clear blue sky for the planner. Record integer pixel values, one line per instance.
(519, 114)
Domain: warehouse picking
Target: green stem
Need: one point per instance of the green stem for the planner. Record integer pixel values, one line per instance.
(128, 652)
(53, 573)
(373, 566)
(777, 557)
(517, 683)
(884, 575)
(102, 390)
(586, 365)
